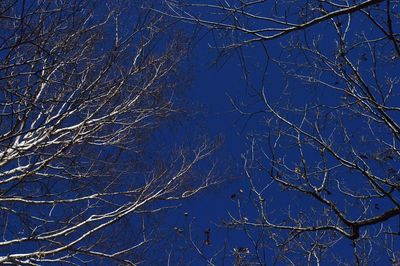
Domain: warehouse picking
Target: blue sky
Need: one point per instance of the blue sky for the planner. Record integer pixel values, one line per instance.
(318, 119)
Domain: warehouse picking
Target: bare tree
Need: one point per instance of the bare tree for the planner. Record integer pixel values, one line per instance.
(323, 167)
(83, 84)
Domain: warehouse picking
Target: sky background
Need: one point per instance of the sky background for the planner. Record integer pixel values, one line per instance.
(210, 91)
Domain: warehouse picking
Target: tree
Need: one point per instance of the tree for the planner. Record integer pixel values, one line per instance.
(323, 156)
(83, 86)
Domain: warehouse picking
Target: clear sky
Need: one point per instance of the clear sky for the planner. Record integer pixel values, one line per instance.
(300, 97)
